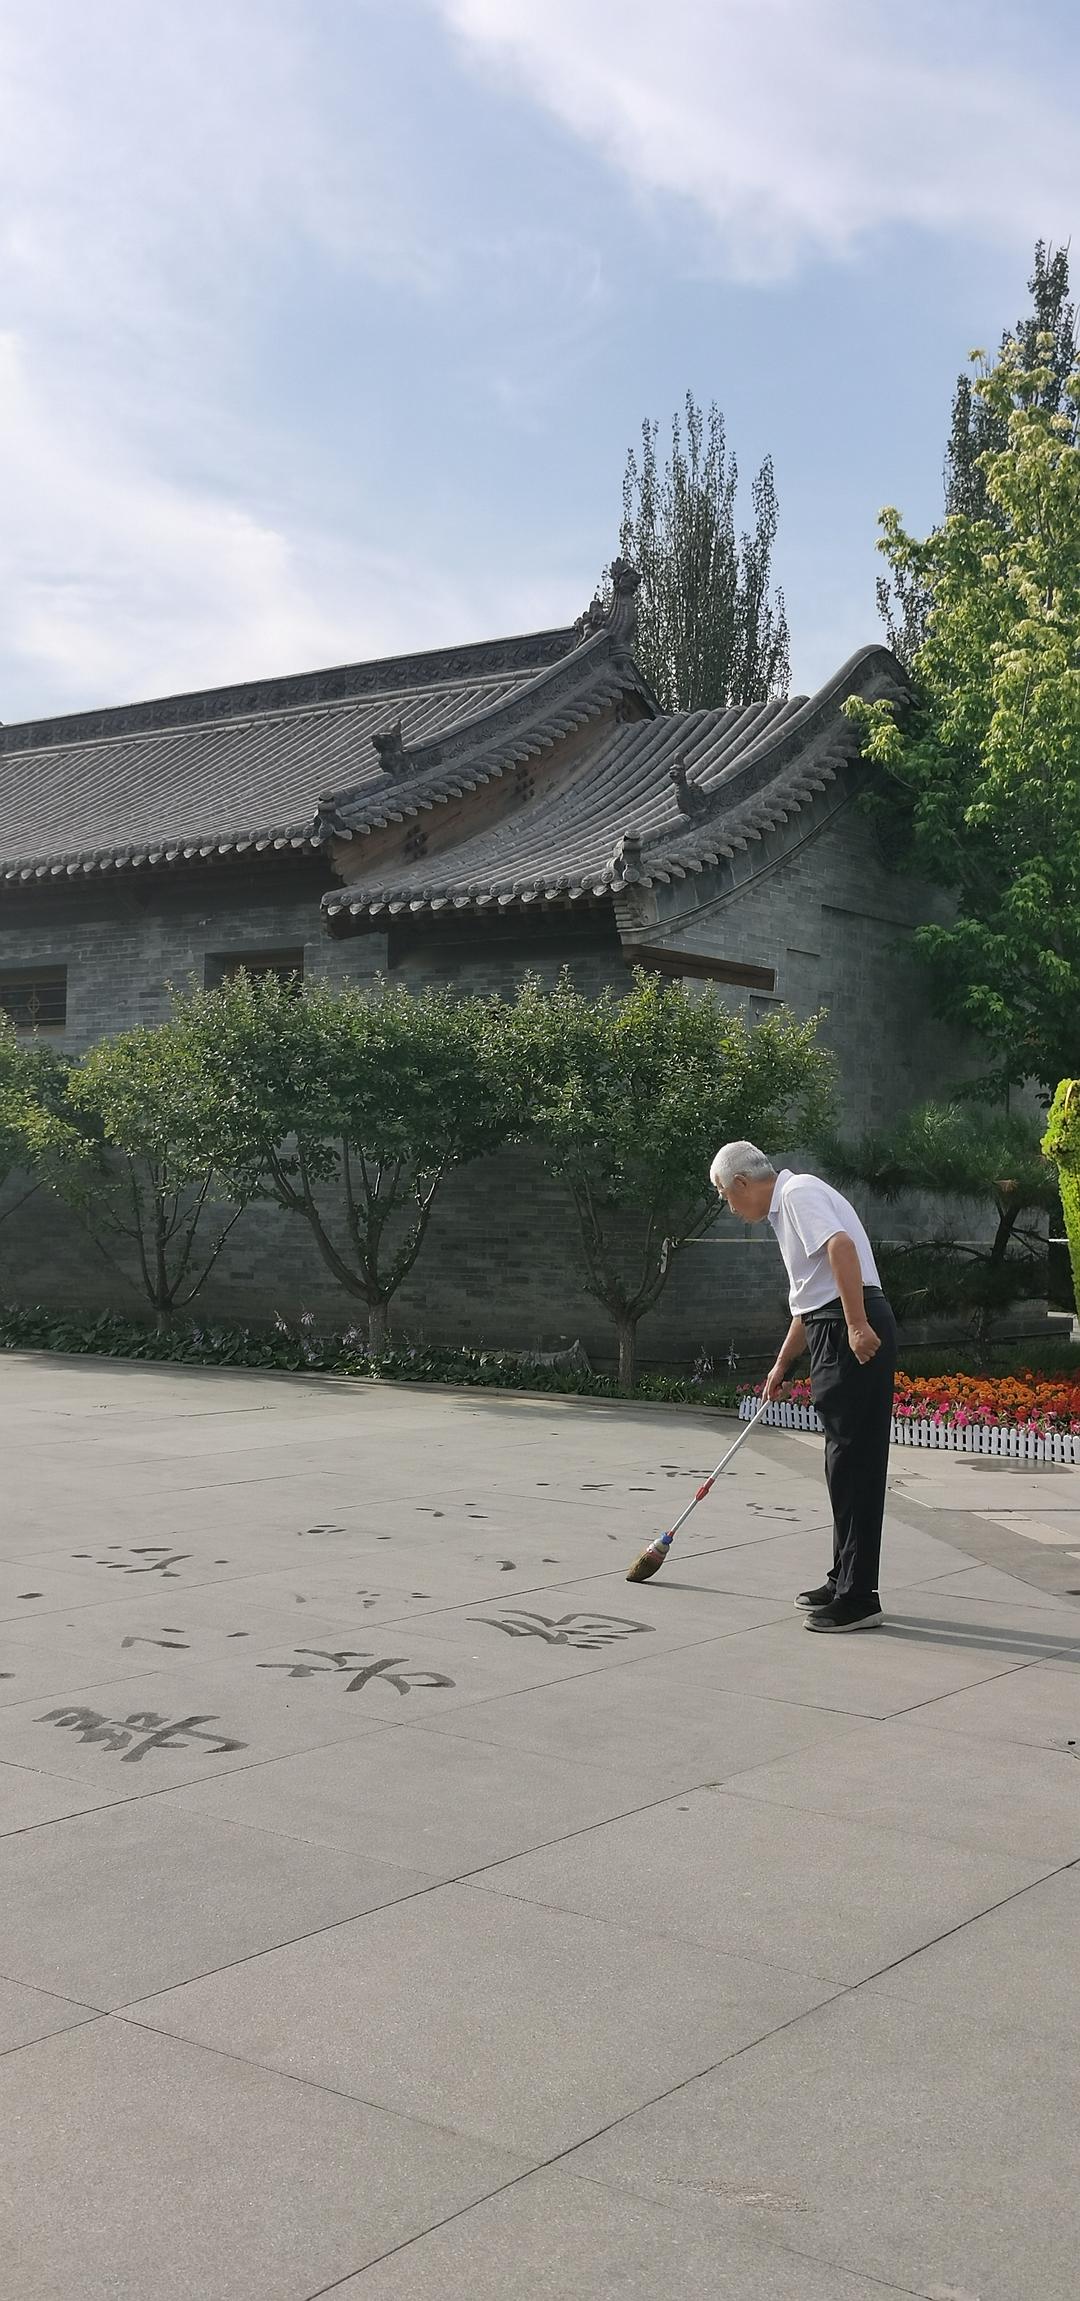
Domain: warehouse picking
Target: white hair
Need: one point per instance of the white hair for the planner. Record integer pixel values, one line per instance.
(737, 1159)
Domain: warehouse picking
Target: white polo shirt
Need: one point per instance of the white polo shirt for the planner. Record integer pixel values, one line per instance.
(806, 1213)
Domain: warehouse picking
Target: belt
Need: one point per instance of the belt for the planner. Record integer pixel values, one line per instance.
(833, 1313)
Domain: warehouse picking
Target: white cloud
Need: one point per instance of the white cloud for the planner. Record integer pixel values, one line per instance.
(161, 173)
(117, 582)
(800, 127)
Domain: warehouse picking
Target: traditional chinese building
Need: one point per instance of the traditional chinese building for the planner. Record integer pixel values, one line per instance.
(465, 815)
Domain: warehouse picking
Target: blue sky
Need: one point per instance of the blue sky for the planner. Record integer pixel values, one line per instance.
(325, 325)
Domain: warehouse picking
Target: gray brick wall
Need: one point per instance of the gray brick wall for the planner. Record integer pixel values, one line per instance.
(836, 925)
(124, 943)
(501, 1263)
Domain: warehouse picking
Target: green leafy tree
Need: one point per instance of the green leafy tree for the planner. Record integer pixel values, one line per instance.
(979, 430)
(965, 1156)
(711, 631)
(984, 772)
(631, 1097)
(354, 1108)
(31, 1085)
(1061, 1143)
(136, 1150)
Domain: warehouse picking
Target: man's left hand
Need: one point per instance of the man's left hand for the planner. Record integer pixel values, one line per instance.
(863, 1342)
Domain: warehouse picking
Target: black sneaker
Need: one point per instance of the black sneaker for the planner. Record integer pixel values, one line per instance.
(822, 1596)
(847, 1614)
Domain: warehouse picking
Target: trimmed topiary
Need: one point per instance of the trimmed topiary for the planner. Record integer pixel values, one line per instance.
(1061, 1142)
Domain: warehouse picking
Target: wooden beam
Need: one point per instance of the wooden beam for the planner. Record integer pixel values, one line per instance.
(658, 959)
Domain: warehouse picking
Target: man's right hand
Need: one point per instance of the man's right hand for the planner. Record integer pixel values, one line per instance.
(774, 1381)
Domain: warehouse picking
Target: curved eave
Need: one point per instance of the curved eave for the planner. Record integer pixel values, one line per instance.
(680, 859)
(542, 712)
(188, 847)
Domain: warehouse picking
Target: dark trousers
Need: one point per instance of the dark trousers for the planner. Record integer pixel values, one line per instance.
(855, 1404)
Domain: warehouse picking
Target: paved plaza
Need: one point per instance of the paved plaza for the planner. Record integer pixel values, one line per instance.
(398, 1905)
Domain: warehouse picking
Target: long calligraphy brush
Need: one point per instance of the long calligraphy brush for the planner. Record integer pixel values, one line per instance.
(653, 1557)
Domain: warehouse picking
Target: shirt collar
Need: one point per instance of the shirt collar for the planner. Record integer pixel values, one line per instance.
(783, 1177)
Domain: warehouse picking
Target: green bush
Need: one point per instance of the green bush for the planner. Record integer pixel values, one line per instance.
(996, 1359)
(1061, 1143)
(302, 1349)
(943, 1281)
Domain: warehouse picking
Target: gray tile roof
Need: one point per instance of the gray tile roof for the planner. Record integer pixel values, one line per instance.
(653, 801)
(234, 768)
(325, 759)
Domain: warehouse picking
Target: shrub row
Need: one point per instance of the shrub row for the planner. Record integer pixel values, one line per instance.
(302, 1349)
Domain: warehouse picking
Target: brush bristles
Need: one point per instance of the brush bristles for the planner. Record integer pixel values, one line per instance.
(649, 1562)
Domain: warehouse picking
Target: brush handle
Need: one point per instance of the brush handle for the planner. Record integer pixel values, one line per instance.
(706, 1487)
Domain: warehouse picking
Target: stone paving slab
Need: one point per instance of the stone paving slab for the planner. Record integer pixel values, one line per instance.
(813, 1893)
(1019, 1964)
(1038, 1704)
(670, 1732)
(911, 2144)
(1000, 1797)
(935, 1647)
(27, 2014)
(1061, 1531)
(145, 2169)
(40, 1586)
(554, 2237)
(788, 1562)
(433, 1801)
(406, 1847)
(1028, 1634)
(174, 1726)
(28, 1798)
(989, 1582)
(105, 1907)
(525, 2049)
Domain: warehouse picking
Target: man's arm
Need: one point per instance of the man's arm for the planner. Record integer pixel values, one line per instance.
(792, 1347)
(844, 1264)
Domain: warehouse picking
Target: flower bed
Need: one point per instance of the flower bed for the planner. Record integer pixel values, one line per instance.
(1029, 1417)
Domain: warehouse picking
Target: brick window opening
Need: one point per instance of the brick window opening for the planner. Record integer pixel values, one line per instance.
(35, 1001)
(288, 966)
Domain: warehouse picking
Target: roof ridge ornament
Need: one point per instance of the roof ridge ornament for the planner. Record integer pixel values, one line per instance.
(615, 615)
(395, 759)
(626, 861)
(690, 799)
(390, 745)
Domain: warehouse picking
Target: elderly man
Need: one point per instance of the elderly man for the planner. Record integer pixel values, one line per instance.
(839, 1311)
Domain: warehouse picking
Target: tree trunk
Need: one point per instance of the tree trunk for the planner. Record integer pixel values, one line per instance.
(378, 1327)
(1007, 1219)
(984, 1319)
(626, 1329)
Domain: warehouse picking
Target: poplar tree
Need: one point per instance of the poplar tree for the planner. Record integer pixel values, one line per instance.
(711, 628)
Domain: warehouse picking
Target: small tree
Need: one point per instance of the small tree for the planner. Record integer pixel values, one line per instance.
(961, 1154)
(31, 1085)
(710, 630)
(1061, 1143)
(631, 1098)
(354, 1108)
(138, 1154)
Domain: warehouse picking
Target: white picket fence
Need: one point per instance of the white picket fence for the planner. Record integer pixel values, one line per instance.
(907, 1430)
